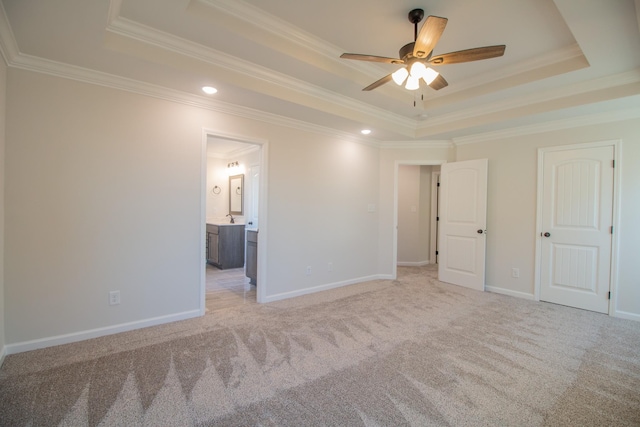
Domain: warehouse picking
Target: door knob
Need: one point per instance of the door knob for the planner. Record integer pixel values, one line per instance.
(480, 231)
(547, 234)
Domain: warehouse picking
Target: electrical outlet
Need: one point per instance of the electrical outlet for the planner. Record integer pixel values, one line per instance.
(308, 272)
(114, 297)
(515, 272)
(330, 266)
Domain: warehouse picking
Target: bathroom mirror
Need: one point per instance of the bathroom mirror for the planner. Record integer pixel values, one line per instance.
(236, 190)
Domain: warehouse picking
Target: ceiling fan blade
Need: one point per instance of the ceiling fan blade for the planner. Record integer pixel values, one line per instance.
(438, 83)
(378, 83)
(428, 36)
(468, 55)
(371, 58)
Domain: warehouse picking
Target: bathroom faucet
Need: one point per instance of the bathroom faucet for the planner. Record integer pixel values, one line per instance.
(233, 221)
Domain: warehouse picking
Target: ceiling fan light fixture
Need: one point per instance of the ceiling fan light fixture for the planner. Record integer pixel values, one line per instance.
(430, 75)
(400, 76)
(417, 69)
(413, 83)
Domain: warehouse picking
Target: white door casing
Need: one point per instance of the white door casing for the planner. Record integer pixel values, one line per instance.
(462, 225)
(576, 236)
(252, 215)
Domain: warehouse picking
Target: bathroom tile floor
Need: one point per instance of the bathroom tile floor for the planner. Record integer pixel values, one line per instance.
(227, 288)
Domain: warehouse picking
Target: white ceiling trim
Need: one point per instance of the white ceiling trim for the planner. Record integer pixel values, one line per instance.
(585, 120)
(607, 82)
(8, 45)
(259, 18)
(285, 31)
(85, 75)
(416, 144)
(550, 58)
(134, 30)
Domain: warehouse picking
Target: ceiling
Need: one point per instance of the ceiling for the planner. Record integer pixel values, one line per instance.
(278, 60)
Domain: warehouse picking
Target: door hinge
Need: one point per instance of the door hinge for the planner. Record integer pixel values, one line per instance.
(611, 229)
(438, 185)
(437, 218)
(436, 252)
(609, 296)
(613, 163)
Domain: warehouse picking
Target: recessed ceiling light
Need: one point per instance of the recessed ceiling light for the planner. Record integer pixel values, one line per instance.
(209, 90)
(365, 131)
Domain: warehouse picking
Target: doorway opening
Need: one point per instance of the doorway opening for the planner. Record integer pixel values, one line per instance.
(414, 240)
(233, 205)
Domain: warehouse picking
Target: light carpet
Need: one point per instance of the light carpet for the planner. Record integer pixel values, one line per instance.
(410, 352)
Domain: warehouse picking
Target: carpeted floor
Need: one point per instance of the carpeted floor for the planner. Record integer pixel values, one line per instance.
(389, 353)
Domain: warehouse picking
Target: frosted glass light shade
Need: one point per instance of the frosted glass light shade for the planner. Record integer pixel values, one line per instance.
(418, 69)
(430, 75)
(413, 83)
(400, 76)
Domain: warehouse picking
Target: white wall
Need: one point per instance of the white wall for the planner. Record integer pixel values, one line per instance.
(511, 221)
(103, 192)
(408, 214)
(319, 192)
(217, 204)
(3, 85)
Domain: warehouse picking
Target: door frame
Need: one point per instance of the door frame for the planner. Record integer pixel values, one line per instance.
(396, 168)
(615, 219)
(435, 211)
(261, 293)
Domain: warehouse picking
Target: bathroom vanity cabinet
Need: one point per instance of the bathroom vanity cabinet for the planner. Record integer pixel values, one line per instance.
(225, 245)
(251, 269)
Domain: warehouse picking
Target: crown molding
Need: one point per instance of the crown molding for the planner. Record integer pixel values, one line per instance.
(142, 33)
(8, 46)
(85, 75)
(580, 88)
(256, 17)
(284, 30)
(390, 145)
(541, 61)
(550, 126)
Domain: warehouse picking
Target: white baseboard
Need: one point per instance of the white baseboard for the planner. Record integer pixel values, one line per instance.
(412, 264)
(626, 315)
(511, 293)
(306, 291)
(95, 333)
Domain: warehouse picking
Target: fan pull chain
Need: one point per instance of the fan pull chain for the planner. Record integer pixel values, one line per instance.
(415, 99)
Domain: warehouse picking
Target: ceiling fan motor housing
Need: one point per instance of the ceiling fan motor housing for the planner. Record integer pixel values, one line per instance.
(416, 16)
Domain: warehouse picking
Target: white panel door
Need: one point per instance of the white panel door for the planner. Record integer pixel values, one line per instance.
(576, 236)
(462, 224)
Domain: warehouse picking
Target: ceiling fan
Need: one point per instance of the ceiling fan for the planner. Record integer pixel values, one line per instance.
(419, 53)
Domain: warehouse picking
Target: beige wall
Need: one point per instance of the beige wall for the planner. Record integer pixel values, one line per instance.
(511, 239)
(3, 85)
(409, 214)
(104, 193)
(414, 214)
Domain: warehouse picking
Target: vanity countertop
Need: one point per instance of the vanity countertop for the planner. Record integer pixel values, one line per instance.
(223, 222)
